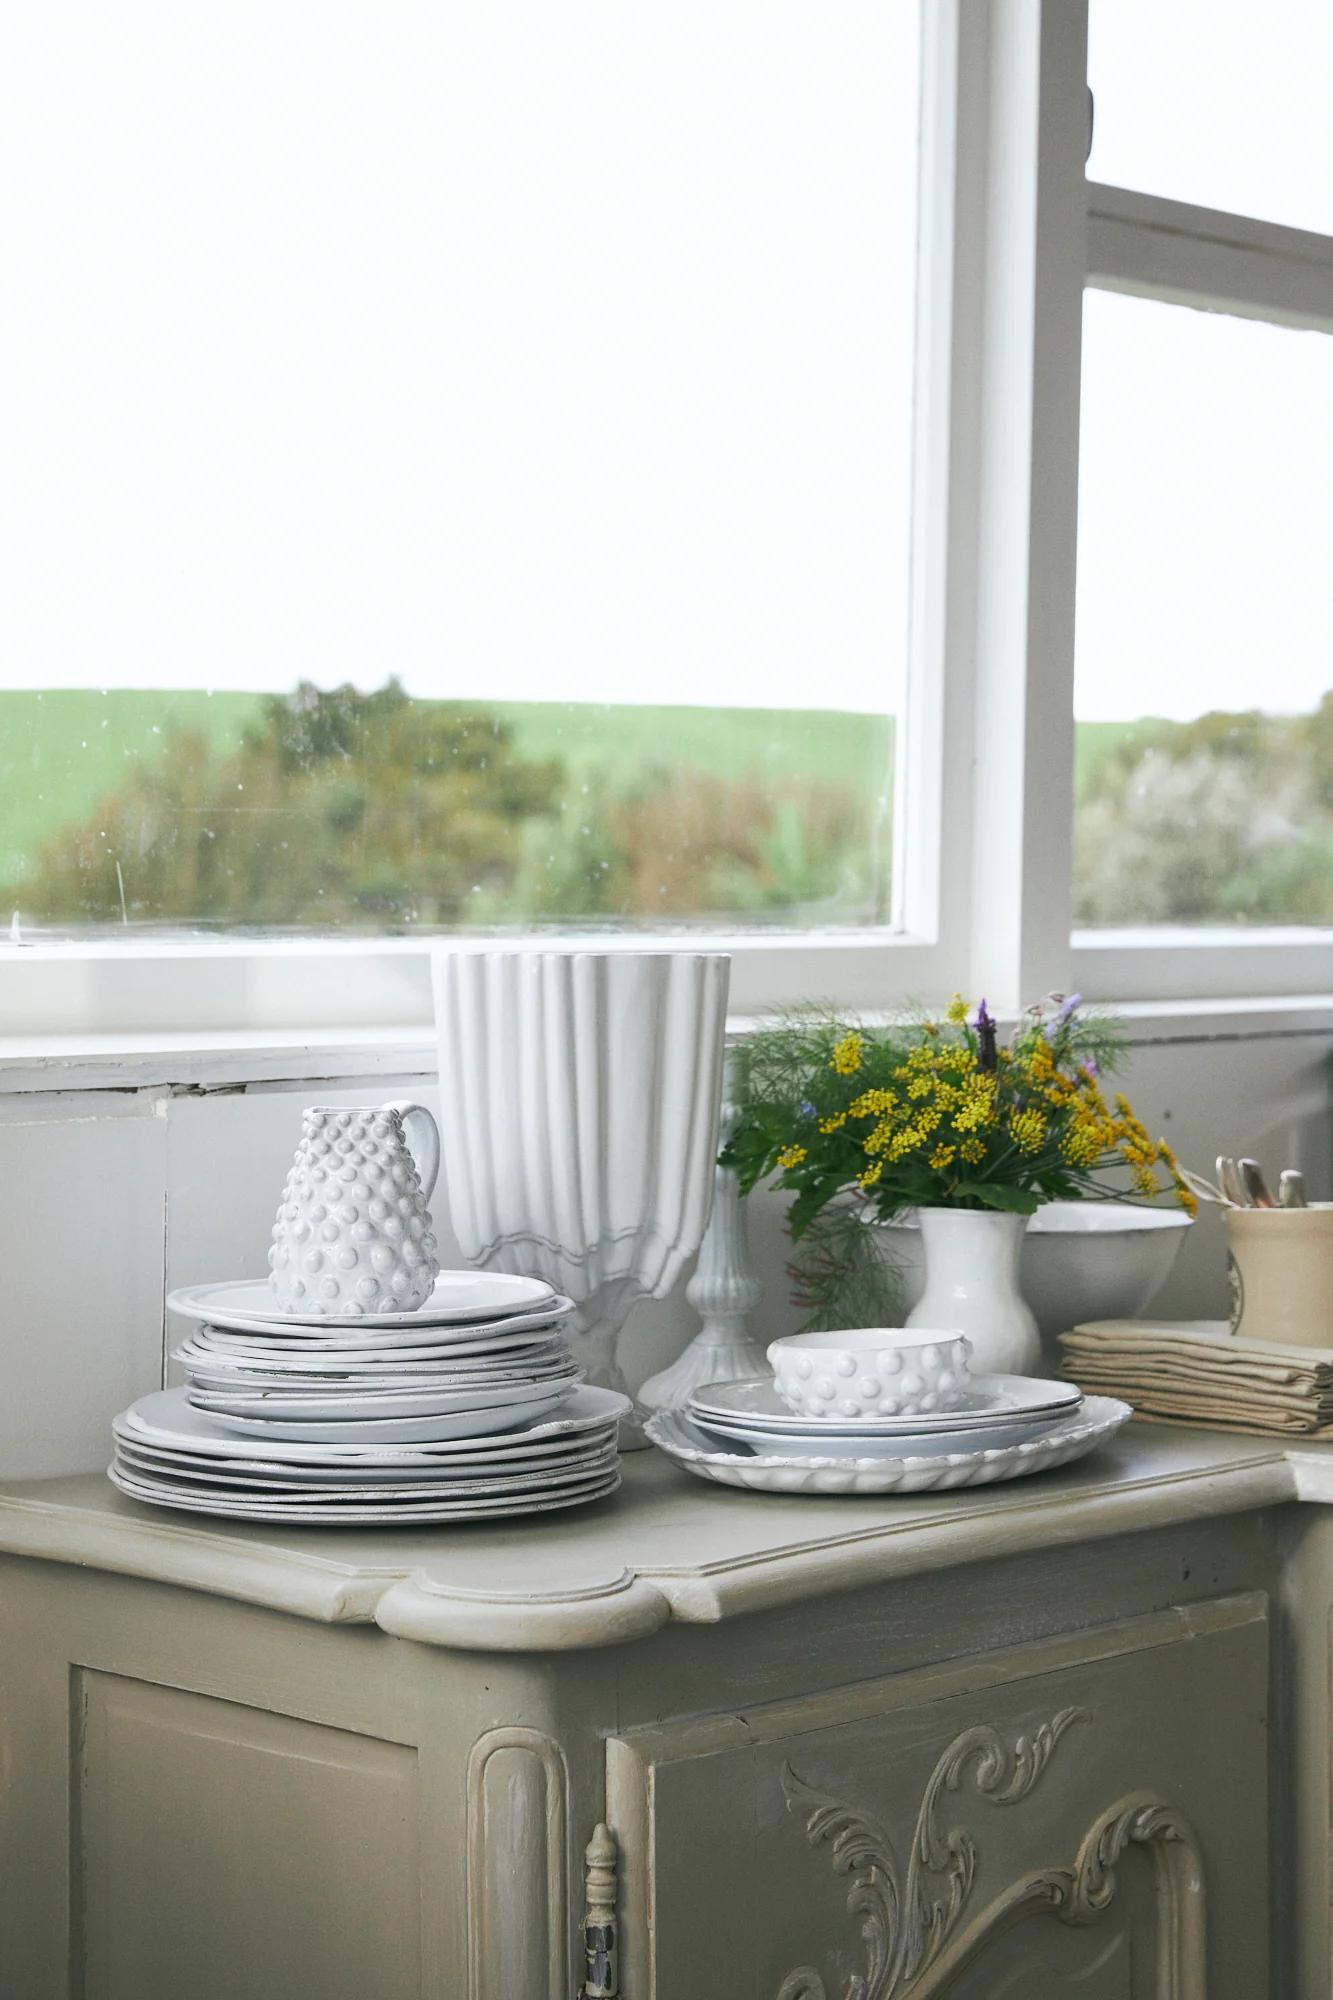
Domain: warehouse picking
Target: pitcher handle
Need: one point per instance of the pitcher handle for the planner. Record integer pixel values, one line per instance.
(423, 1141)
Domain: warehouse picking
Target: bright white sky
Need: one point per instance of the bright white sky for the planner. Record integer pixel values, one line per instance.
(563, 352)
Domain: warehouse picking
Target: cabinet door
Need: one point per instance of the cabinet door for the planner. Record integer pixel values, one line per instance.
(1083, 1819)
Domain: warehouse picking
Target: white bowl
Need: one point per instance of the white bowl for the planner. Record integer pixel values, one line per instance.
(871, 1371)
(1080, 1260)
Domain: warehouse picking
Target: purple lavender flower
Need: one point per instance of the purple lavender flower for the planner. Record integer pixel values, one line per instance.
(987, 1055)
(1067, 1007)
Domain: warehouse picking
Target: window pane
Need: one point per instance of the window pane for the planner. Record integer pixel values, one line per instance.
(1219, 102)
(456, 460)
(1205, 620)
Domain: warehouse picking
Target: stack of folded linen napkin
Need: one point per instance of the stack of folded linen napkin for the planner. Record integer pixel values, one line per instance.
(1196, 1372)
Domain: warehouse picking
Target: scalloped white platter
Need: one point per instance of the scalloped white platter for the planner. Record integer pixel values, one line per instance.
(994, 1399)
(474, 1296)
(165, 1420)
(775, 1471)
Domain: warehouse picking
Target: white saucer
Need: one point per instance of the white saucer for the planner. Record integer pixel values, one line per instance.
(458, 1296)
(994, 1399)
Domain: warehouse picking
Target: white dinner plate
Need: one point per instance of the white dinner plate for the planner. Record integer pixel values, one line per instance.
(284, 1494)
(994, 1399)
(360, 1514)
(248, 1387)
(458, 1295)
(202, 1348)
(421, 1429)
(816, 1441)
(165, 1418)
(205, 1473)
(524, 1456)
(777, 1471)
(312, 1341)
(339, 1406)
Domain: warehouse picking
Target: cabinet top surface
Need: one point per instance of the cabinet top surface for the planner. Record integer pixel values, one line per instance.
(666, 1546)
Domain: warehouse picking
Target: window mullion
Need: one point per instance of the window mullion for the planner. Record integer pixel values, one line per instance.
(1028, 190)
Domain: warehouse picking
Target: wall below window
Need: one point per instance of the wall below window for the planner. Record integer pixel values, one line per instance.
(114, 1196)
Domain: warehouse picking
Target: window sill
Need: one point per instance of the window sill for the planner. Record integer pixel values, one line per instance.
(237, 1059)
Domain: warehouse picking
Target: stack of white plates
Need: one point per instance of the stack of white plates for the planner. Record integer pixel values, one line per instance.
(457, 1410)
(998, 1410)
(172, 1455)
(743, 1434)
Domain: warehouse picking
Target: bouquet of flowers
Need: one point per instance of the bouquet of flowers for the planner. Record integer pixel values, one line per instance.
(930, 1113)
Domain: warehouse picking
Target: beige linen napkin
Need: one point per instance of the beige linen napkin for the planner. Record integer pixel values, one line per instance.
(1198, 1372)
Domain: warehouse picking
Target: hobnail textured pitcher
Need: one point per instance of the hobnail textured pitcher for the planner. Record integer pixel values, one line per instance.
(353, 1233)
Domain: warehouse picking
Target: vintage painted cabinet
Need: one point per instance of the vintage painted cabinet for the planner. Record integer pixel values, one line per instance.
(1065, 1738)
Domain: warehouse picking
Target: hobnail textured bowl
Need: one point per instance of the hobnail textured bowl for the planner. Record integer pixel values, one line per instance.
(871, 1372)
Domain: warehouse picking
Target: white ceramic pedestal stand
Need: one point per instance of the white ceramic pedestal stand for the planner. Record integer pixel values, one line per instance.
(723, 1291)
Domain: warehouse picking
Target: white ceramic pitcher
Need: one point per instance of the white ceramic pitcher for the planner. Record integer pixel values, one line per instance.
(353, 1233)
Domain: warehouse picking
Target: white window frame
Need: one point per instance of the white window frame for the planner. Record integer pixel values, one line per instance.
(985, 762)
(1155, 248)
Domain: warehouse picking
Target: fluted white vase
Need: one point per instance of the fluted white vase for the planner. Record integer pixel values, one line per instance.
(579, 1103)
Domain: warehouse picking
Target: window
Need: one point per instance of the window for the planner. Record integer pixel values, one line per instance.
(457, 465)
(1217, 102)
(1204, 772)
(1203, 830)
(584, 465)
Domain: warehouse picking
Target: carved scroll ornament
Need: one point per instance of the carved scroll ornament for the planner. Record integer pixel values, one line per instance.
(911, 1920)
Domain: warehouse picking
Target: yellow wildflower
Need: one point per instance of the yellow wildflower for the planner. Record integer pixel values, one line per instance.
(957, 1010)
(1027, 1129)
(847, 1054)
(1082, 1142)
(871, 1104)
(973, 1150)
(791, 1156)
(1145, 1180)
(871, 1174)
(942, 1157)
(827, 1125)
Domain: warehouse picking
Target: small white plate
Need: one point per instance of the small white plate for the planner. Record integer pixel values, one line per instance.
(373, 1405)
(994, 1399)
(359, 1514)
(776, 1471)
(165, 1418)
(458, 1296)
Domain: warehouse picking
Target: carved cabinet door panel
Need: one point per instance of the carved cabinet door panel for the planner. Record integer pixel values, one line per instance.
(1081, 1819)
